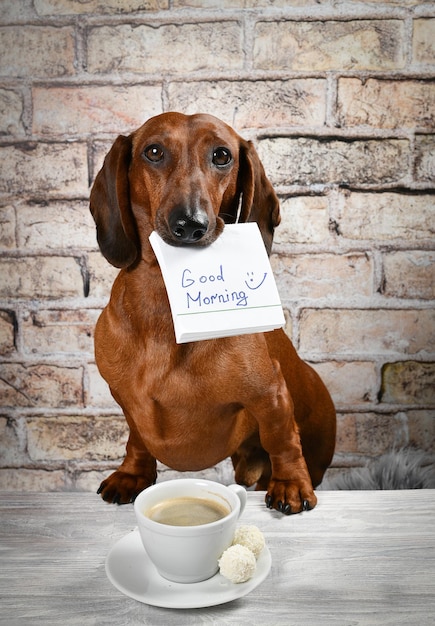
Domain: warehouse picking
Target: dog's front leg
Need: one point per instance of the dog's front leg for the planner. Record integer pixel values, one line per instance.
(137, 472)
(290, 489)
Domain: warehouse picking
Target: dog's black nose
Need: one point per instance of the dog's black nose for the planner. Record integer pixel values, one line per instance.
(188, 229)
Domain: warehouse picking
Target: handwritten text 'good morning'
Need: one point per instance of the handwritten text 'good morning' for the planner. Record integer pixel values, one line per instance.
(217, 293)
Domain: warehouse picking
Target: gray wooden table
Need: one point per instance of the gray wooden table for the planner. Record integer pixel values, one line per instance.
(358, 558)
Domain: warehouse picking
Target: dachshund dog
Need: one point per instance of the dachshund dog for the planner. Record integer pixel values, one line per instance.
(248, 397)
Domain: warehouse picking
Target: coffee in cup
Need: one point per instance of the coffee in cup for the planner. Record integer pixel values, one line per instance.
(187, 511)
(186, 524)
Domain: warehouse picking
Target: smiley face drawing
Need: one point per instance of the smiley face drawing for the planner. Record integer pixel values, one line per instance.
(254, 283)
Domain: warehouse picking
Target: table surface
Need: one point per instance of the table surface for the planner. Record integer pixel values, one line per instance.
(358, 558)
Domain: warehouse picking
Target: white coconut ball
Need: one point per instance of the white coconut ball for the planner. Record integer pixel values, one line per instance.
(237, 563)
(251, 537)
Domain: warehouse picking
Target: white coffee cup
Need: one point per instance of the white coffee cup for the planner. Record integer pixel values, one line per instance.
(188, 554)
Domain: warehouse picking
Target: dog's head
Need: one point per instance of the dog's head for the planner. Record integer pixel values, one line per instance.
(183, 176)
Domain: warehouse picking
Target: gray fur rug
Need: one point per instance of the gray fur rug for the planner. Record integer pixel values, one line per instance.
(406, 468)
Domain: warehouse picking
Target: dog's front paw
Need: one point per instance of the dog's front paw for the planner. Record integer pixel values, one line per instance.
(290, 497)
(122, 488)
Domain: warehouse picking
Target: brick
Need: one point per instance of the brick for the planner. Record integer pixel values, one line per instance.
(58, 331)
(68, 438)
(423, 41)
(425, 159)
(40, 277)
(309, 161)
(89, 480)
(181, 48)
(304, 219)
(99, 393)
(39, 168)
(407, 3)
(240, 4)
(408, 382)
(28, 480)
(40, 385)
(322, 275)
(367, 332)
(254, 104)
(7, 332)
(409, 274)
(98, 150)
(421, 426)
(93, 109)
(288, 327)
(349, 383)
(11, 111)
(101, 275)
(12, 447)
(386, 103)
(330, 45)
(17, 11)
(369, 433)
(37, 51)
(78, 7)
(7, 228)
(55, 225)
(210, 4)
(385, 216)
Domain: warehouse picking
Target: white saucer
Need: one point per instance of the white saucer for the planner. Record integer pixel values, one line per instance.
(130, 570)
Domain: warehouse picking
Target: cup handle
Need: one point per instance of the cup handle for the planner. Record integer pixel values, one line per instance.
(242, 495)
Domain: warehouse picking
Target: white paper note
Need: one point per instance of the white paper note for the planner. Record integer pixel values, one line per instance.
(224, 289)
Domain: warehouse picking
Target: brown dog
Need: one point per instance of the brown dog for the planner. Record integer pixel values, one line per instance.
(192, 405)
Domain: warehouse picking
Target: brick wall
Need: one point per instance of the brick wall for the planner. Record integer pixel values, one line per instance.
(340, 100)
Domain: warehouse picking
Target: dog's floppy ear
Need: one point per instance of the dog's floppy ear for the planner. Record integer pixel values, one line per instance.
(110, 206)
(259, 201)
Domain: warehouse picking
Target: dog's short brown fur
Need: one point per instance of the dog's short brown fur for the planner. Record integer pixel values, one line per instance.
(249, 397)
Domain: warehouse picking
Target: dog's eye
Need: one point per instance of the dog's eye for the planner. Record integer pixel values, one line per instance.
(222, 156)
(154, 153)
